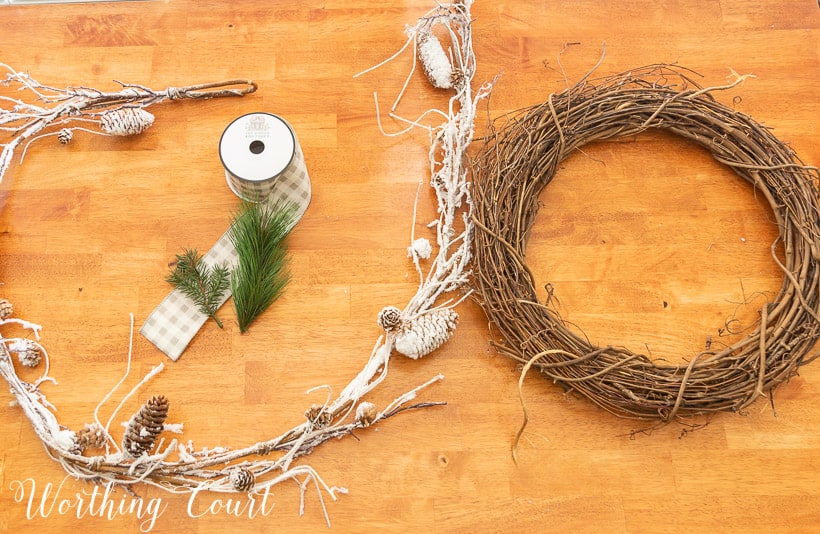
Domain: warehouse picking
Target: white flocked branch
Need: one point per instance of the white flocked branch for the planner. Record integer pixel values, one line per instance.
(59, 112)
(426, 322)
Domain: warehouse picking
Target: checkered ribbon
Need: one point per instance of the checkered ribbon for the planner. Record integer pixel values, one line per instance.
(176, 320)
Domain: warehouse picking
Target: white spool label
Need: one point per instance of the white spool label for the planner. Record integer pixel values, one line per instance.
(256, 148)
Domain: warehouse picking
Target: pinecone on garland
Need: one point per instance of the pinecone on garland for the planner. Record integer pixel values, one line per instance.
(242, 479)
(28, 352)
(65, 136)
(366, 413)
(389, 318)
(91, 436)
(125, 121)
(318, 416)
(145, 426)
(6, 309)
(425, 334)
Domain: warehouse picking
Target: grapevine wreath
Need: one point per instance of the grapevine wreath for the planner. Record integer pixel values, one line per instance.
(518, 160)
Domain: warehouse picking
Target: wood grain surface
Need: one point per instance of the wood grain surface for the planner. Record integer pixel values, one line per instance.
(646, 241)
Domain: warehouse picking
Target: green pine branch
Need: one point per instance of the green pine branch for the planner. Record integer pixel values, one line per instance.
(204, 285)
(258, 234)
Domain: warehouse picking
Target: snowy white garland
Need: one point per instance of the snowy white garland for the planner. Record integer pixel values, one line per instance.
(423, 325)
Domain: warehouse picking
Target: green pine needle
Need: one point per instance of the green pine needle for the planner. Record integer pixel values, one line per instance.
(258, 234)
(204, 285)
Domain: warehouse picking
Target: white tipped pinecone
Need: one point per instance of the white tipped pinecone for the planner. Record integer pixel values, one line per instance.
(145, 426)
(28, 352)
(242, 479)
(434, 60)
(420, 248)
(6, 309)
(389, 318)
(366, 413)
(64, 136)
(91, 436)
(125, 121)
(422, 336)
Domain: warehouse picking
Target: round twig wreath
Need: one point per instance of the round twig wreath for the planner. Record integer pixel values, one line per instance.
(519, 158)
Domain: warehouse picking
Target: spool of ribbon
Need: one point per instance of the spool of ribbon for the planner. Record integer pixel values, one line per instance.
(255, 149)
(263, 163)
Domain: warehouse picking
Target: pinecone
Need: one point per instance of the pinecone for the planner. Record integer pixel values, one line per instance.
(366, 413)
(457, 78)
(6, 309)
(389, 318)
(420, 248)
(434, 60)
(64, 136)
(427, 333)
(126, 121)
(91, 436)
(242, 479)
(145, 426)
(320, 417)
(28, 352)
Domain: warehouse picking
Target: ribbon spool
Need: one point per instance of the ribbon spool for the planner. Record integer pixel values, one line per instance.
(255, 150)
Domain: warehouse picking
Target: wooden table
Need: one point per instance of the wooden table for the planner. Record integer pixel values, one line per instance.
(647, 242)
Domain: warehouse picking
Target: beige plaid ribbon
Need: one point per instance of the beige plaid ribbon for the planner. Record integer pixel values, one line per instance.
(173, 324)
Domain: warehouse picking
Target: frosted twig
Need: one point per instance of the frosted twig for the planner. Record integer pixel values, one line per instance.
(450, 268)
(116, 386)
(35, 328)
(111, 111)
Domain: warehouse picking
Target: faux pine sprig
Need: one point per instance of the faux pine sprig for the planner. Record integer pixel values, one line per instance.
(258, 234)
(205, 285)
